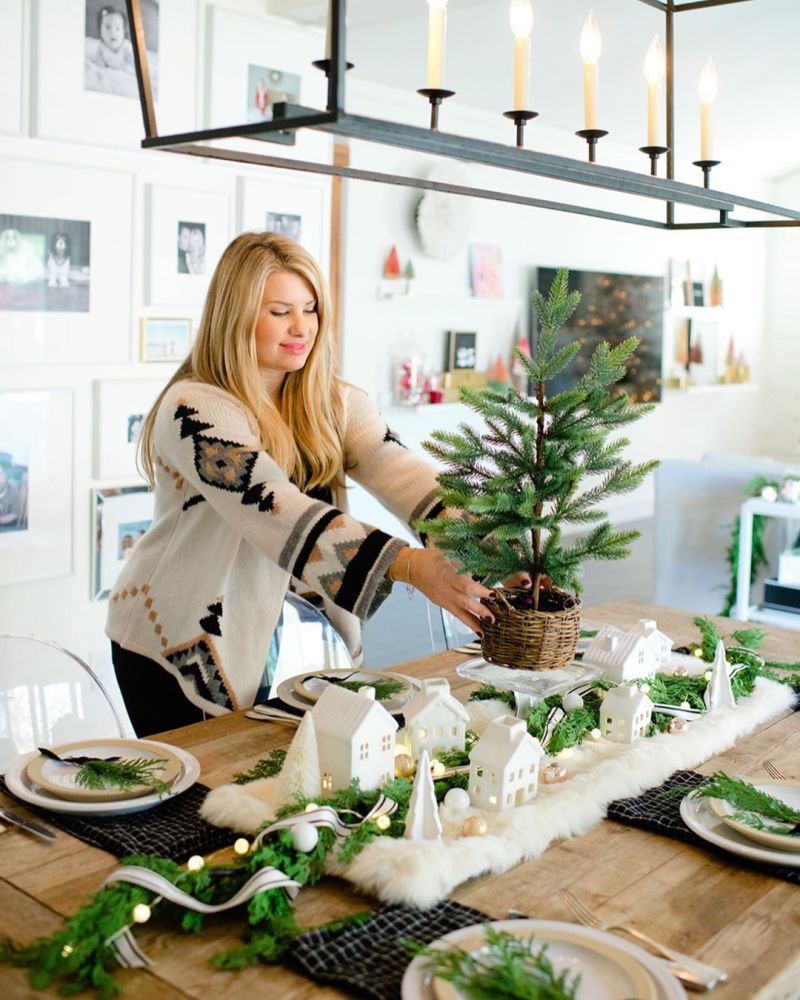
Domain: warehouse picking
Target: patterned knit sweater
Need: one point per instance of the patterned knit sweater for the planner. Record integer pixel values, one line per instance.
(202, 591)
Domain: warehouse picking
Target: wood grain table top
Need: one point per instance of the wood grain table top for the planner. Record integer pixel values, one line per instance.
(699, 902)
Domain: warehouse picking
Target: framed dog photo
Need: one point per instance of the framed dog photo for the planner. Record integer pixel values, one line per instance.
(460, 351)
(164, 339)
(120, 517)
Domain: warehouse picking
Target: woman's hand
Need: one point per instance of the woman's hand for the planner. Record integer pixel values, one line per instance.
(432, 573)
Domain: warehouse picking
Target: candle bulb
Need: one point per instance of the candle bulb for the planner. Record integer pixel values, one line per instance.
(437, 21)
(591, 46)
(654, 74)
(708, 91)
(520, 17)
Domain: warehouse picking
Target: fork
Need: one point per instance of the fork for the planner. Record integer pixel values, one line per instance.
(772, 771)
(689, 970)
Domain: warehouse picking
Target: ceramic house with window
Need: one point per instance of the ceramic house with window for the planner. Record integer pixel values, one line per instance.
(660, 643)
(625, 714)
(504, 765)
(622, 656)
(435, 720)
(355, 739)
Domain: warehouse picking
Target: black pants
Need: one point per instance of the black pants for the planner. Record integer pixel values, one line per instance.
(153, 698)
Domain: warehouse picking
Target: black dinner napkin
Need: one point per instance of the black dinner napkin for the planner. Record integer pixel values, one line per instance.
(173, 829)
(369, 959)
(660, 813)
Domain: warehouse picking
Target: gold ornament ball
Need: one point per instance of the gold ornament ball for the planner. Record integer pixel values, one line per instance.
(474, 826)
(554, 773)
(404, 765)
(241, 845)
(141, 913)
(195, 863)
(678, 726)
(680, 671)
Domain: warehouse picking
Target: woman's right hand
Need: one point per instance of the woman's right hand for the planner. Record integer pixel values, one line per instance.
(432, 573)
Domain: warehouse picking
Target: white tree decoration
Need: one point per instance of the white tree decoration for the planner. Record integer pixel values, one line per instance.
(720, 693)
(422, 819)
(300, 773)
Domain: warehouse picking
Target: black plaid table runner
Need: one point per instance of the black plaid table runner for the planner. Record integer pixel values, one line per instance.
(660, 813)
(369, 959)
(173, 829)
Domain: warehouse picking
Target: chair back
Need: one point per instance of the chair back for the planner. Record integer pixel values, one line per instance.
(305, 640)
(49, 696)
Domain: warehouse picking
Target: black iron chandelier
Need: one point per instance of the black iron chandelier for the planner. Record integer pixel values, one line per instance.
(289, 118)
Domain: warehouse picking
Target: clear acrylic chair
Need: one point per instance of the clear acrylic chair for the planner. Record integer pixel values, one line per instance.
(453, 631)
(49, 696)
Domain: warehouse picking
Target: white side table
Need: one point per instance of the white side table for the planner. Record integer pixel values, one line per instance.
(743, 609)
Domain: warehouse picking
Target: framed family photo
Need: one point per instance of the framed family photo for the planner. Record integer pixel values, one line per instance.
(65, 263)
(120, 517)
(187, 232)
(86, 86)
(35, 484)
(120, 407)
(164, 339)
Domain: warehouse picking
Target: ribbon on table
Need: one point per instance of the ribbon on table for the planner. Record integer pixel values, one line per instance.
(326, 816)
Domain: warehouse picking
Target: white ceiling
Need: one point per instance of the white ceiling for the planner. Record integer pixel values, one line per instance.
(754, 45)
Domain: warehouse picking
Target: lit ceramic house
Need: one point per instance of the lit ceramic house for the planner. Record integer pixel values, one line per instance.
(435, 720)
(622, 656)
(625, 714)
(504, 765)
(355, 739)
(660, 643)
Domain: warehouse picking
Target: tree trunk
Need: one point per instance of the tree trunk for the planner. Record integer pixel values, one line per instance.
(537, 532)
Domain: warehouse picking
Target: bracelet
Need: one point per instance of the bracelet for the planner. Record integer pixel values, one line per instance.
(399, 573)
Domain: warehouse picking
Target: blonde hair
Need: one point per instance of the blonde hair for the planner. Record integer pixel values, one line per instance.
(301, 433)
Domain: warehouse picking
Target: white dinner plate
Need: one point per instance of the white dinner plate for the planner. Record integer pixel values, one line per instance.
(701, 819)
(289, 696)
(20, 785)
(610, 967)
(310, 686)
(786, 791)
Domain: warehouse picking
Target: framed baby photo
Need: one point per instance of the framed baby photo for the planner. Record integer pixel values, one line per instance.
(186, 234)
(120, 517)
(164, 339)
(86, 89)
(120, 407)
(460, 350)
(35, 484)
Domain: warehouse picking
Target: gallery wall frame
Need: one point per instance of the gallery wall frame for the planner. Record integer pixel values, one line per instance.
(85, 93)
(120, 515)
(36, 468)
(187, 230)
(65, 263)
(12, 48)
(164, 339)
(120, 406)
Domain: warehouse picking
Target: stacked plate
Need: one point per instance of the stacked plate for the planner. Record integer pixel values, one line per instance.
(300, 693)
(712, 820)
(50, 784)
(609, 967)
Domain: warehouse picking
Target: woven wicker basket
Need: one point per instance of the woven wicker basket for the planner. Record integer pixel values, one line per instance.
(532, 640)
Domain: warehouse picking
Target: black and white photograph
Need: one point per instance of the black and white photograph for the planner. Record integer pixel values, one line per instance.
(286, 224)
(135, 421)
(13, 489)
(460, 351)
(191, 247)
(266, 87)
(44, 264)
(108, 52)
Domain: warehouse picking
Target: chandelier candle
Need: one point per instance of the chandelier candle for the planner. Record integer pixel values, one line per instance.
(654, 73)
(708, 91)
(591, 45)
(520, 17)
(437, 21)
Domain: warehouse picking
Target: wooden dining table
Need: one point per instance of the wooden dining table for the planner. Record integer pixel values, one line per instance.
(703, 903)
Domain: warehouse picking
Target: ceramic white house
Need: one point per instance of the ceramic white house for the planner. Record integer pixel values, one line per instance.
(355, 739)
(660, 643)
(435, 720)
(504, 765)
(625, 714)
(622, 656)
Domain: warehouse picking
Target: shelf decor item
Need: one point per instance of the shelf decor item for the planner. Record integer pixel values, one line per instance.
(540, 464)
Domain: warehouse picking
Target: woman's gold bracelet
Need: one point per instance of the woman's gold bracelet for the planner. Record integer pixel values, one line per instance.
(400, 572)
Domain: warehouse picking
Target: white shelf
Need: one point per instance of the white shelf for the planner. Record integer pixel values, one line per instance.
(712, 387)
(448, 300)
(774, 508)
(768, 616)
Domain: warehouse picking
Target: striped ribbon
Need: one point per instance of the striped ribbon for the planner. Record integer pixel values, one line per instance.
(326, 816)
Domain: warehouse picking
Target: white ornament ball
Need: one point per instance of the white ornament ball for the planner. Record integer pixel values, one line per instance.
(474, 826)
(141, 913)
(457, 798)
(571, 701)
(770, 494)
(595, 734)
(684, 704)
(304, 837)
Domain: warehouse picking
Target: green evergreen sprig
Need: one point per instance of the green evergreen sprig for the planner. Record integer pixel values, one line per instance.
(752, 805)
(507, 967)
(123, 774)
(267, 767)
(384, 690)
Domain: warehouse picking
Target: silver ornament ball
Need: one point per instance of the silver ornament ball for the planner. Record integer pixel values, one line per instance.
(457, 798)
(572, 701)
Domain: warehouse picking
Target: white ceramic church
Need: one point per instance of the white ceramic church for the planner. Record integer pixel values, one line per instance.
(355, 739)
(435, 720)
(504, 765)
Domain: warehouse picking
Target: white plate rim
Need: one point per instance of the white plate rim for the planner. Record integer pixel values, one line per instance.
(720, 807)
(289, 696)
(694, 810)
(16, 785)
(414, 986)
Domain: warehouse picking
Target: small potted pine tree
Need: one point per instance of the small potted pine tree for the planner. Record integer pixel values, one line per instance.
(541, 463)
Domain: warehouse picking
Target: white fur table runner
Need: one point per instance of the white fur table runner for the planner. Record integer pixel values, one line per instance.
(422, 873)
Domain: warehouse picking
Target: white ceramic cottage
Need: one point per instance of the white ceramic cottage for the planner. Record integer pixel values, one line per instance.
(622, 656)
(625, 714)
(435, 720)
(660, 643)
(504, 765)
(355, 739)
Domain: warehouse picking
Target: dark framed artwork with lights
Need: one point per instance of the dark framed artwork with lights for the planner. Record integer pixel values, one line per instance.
(612, 308)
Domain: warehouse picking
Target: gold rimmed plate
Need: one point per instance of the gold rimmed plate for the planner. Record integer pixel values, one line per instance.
(786, 791)
(311, 685)
(58, 779)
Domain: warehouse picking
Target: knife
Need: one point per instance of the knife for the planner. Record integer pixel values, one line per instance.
(31, 825)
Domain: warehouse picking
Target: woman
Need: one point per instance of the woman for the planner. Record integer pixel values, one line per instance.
(247, 449)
